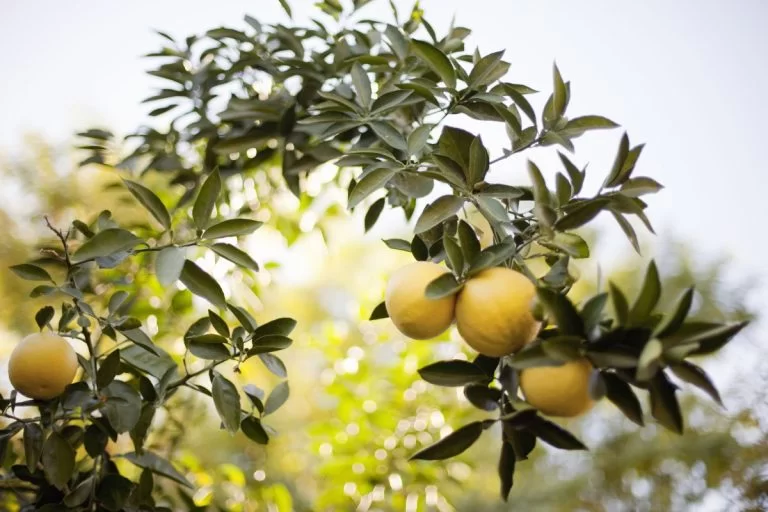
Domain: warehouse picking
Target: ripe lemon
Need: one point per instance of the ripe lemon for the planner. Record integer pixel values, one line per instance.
(414, 314)
(493, 312)
(42, 365)
(558, 390)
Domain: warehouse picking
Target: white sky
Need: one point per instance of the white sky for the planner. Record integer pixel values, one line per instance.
(686, 77)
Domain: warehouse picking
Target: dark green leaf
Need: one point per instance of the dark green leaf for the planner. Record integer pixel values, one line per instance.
(235, 255)
(564, 313)
(140, 430)
(123, 406)
(379, 312)
(106, 243)
(418, 138)
(361, 84)
(372, 215)
(622, 396)
(274, 364)
(576, 176)
(629, 231)
(231, 227)
(95, 440)
(253, 430)
(436, 60)
(398, 244)
(31, 272)
(483, 397)
(33, 445)
(270, 343)
(556, 436)
(245, 318)
(571, 243)
(150, 201)
(620, 306)
(559, 96)
(113, 492)
(452, 373)
(202, 284)
(453, 444)
(227, 402)
(209, 351)
(44, 315)
(79, 494)
(108, 369)
(592, 312)
(438, 211)
(470, 245)
(487, 70)
(581, 214)
(648, 297)
(157, 465)
(639, 186)
(686, 371)
(649, 361)
(443, 286)
(219, 324)
(675, 319)
(279, 327)
(454, 253)
(664, 405)
(371, 182)
(579, 125)
(714, 339)
(58, 460)
(521, 102)
(206, 200)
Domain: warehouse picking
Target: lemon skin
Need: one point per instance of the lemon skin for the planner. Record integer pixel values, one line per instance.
(415, 315)
(561, 391)
(493, 312)
(42, 365)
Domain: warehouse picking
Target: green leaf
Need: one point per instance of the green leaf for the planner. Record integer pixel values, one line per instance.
(33, 445)
(379, 312)
(677, 316)
(650, 360)
(470, 245)
(641, 185)
(202, 284)
(58, 460)
(452, 373)
(622, 396)
(371, 182)
(147, 362)
(571, 243)
(157, 465)
(79, 494)
(231, 227)
(628, 230)
(578, 125)
(436, 60)
(592, 312)
(108, 369)
(31, 272)
(454, 253)
(227, 402)
(245, 318)
(361, 84)
(510, 118)
(117, 301)
(714, 339)
(478, 162)
(564, 313)
(576, 176)
(253, 430)
(559, 96)
(286, 7)
(488, 69)
(686, 371)
(540, 191)
(372, 215)
(390, 101)
(506, 469)
(521, 102)
(387, 132)
(492, 256)
(235, 255)
(209, 351)
(140, 430)
(620, 306)
(169, 264)
(277, 397)
(397, 42)
(44, 316)
(556, 436)
(418, 138)
(141, 339)
(123, 406)
(113, 492)
(150, 201)
(563, 189)
(438, 211)
(106, 243)
(649, 296)
(443, 286)
(453, 444)
(398, 244)
(269, 343)
(581, 214)
(278, 327)
(274, 364)
(664, 405)
(206, 200)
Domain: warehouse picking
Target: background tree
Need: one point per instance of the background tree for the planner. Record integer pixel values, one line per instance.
(301, 97)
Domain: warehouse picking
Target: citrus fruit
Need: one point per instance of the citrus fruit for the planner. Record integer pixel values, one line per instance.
(558, 390)
(42, 365)
(412, 312)
(493, 312)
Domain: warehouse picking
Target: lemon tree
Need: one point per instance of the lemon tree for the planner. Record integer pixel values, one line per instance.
(383, 104)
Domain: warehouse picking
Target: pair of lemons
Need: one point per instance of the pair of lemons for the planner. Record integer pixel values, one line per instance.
(493, 315)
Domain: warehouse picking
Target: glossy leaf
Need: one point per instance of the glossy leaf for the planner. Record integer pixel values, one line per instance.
(206, 200)
(202, 284)
(453, 444)
(436, 60)
(58, 460)
(150, 201)
(231, 227)
(31, 272)
(438, 211)
(277, 397)
(443, 286)
(227, 402)
(169, 264)
(622, 396)
(369, 184)
(452, 373)
(106, 243)
(235, 255)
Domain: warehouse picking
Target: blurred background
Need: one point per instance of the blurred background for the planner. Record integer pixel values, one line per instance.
(686, 78)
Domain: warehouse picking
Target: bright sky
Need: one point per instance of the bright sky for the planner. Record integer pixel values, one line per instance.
(685, 77)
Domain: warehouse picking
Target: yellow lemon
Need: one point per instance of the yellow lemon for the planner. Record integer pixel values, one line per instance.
(493, 312)
(558, 390)
(42, 365)
(414, 314)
